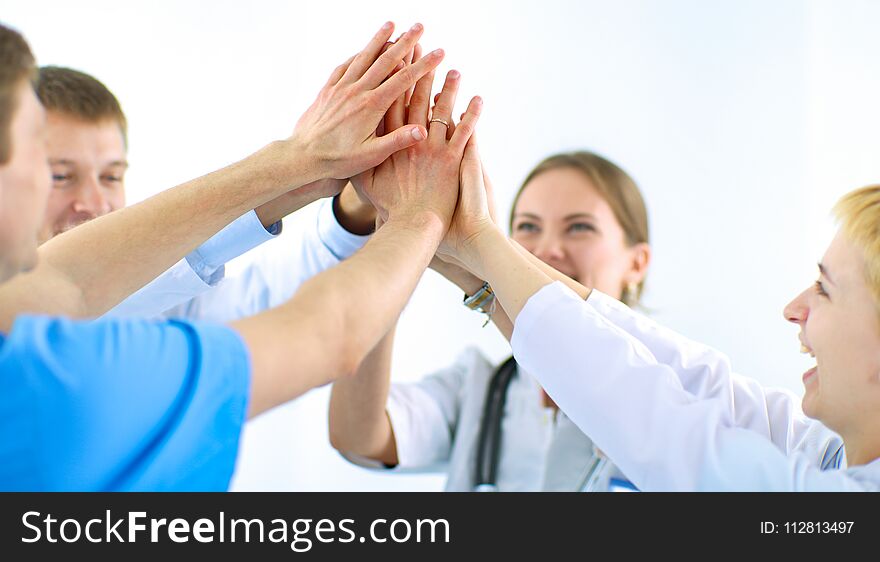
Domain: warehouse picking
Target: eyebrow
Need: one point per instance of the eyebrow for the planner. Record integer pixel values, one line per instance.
(527, 215)
(580, 216)
(824, 271)
(68, 162)
(567, 217)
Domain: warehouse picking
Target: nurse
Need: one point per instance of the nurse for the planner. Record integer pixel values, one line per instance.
(492, 425)
(670, 412)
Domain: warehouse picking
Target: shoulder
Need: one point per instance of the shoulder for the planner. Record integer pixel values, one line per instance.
(43, 347)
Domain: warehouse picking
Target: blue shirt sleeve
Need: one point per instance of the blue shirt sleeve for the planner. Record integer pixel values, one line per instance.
(120, 405)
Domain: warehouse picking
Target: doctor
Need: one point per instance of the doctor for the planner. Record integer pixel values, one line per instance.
(670, 412)
(492, 427)
(87, 141)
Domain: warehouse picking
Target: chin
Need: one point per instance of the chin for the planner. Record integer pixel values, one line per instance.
(809, 407)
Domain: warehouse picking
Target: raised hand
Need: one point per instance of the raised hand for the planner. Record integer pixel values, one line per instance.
(338, 131)
(425, 176)
(474, 211)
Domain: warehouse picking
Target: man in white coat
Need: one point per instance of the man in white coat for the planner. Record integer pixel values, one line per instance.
(87, 143)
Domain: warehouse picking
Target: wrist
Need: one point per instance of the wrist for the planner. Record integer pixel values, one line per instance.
(354, 215)
(476, 247)
(458, 276)
(290, 164)
(422, 221)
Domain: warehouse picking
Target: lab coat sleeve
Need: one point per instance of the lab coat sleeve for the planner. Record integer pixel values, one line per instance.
(276, 270)
(706, 373)
(198, 272)
(636, 410)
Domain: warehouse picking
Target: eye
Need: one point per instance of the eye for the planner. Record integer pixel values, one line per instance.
(527, 227)
(112, 179)
(59, 178)
(820, 289)
(581, 227)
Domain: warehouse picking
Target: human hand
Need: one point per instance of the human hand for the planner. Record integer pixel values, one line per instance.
(337, 135)
(474, 212)
(425, 176)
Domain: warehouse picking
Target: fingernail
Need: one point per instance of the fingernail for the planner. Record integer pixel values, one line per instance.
(454, 74)
(437, 53)
(418, 134)
(387, 25)
(416, 27)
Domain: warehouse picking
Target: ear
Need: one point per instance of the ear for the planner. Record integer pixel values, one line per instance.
(640, 259)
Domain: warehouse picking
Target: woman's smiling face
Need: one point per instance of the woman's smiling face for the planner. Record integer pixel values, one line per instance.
(840, 326)
(564, 221)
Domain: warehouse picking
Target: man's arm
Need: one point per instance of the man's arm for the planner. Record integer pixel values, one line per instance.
(277, 270)
(87, 270)
(337, 317)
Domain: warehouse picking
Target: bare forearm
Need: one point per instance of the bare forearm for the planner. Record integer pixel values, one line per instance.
(469, 283)
(90, 269)
(358, 420)
(552, 273)
(513, 276)
(337, 317)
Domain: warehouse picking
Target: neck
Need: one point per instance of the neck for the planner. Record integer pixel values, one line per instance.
(861, 447)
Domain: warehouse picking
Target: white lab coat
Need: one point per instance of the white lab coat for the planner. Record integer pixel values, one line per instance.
(668, 411)
(436, 424)
(196, 288)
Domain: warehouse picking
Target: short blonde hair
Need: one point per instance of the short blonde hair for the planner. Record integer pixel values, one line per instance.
(858, 213)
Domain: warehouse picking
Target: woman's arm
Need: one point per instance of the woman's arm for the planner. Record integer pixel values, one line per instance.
(608, 382)
(359, 423)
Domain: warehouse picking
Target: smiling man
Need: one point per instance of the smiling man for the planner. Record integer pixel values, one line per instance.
(86, 138)
(87, 142)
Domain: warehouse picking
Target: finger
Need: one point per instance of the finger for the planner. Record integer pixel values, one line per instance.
(468, 124)
(472, 198)
(419, 102)
(441, 116)
(404, 80)
(380, 148)
(395, 117)
(339, 71)
(490, 193)
(363, 60)
(416, 55)
(451, 129)
(379, 70)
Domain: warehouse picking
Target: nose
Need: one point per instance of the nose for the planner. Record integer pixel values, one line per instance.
(798, 310)
(549, 248)
(90, 198)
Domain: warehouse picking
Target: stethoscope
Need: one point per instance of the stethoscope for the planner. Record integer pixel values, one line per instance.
(489, 439)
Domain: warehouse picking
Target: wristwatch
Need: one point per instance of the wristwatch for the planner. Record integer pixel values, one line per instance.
(483, 301)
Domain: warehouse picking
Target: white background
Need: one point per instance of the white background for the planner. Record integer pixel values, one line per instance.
(741, 121)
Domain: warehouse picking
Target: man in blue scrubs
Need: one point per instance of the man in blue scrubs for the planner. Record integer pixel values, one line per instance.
(138, 405)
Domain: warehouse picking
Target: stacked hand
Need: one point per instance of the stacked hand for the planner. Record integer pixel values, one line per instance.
(338, 132)
(423, 178)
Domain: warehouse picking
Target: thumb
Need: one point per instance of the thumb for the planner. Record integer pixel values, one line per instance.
(473, 191)
(403, 137)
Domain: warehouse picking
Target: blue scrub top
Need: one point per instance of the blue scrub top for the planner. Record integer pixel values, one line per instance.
(120, 405)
